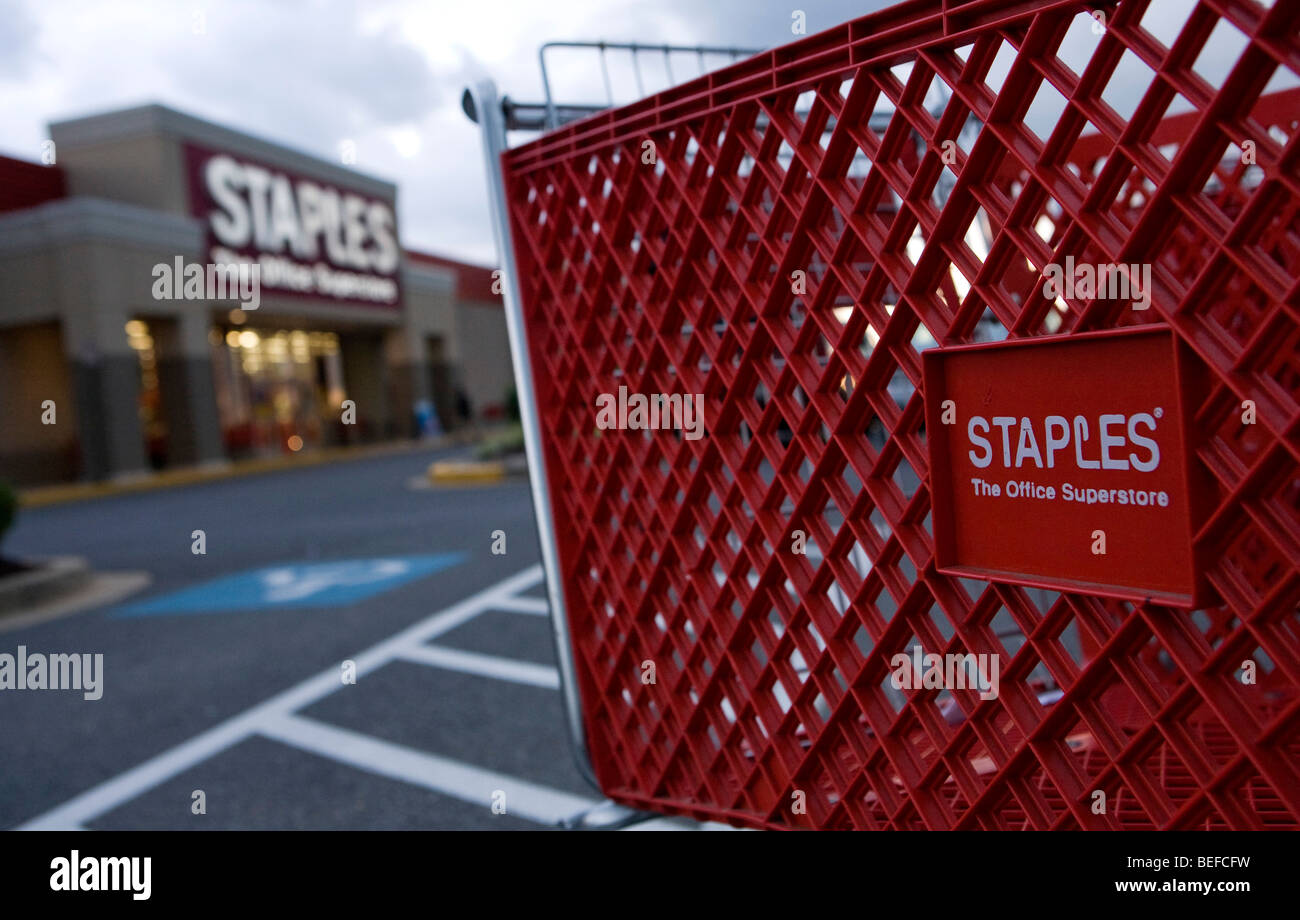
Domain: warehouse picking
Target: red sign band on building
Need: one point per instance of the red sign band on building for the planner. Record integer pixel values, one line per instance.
(1062, 462)
(309, 237)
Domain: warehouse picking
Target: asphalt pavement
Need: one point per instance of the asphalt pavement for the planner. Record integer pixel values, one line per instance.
(229, 674)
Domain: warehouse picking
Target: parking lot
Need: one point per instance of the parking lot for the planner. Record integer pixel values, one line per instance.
(390, 672)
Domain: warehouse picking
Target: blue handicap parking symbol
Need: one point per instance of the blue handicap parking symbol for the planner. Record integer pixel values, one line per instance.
(314, 584)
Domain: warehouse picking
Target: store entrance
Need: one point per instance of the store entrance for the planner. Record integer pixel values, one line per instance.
(278, 390)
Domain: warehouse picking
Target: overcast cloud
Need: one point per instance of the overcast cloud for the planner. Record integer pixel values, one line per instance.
(384, 74)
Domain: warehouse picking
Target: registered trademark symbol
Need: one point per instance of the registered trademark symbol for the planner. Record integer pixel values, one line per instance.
(1160, 413)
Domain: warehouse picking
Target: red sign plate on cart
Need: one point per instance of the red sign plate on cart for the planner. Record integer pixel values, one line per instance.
(1062, 462)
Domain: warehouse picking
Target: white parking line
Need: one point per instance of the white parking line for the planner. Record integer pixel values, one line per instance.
(448, 777)
(103, 798)
(533, 605)
(519, 672)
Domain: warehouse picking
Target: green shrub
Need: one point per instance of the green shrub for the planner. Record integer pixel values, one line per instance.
(500, 444)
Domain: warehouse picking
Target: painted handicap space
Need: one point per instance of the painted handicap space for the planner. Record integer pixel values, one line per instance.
(313, 584)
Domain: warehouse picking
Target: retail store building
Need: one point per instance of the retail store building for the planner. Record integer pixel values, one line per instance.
(122, 349)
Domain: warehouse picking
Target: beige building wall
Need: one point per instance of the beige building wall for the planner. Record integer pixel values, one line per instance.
(482, 354)
(145, 171)
(429, 292)
(75, 270)
(85, 265)
(134, 155)
(33, 370)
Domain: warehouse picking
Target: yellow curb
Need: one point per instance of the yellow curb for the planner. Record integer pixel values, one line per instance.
(41, 496)
(447, 472)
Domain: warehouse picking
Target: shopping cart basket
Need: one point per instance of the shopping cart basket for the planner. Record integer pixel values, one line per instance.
(787, 237)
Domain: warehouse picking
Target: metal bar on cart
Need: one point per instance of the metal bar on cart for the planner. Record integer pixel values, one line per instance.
(483, 105)
(636, 48)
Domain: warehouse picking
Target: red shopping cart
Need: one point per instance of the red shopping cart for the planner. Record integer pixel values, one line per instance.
(787, 237)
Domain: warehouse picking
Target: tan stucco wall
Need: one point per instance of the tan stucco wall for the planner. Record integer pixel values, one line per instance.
(482, 353)
(74, 271)
(145, 171)
(32, 370)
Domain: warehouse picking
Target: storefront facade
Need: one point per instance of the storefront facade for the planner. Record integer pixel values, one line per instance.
(174, 292)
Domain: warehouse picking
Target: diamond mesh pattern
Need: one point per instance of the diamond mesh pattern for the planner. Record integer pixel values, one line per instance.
(828, 157)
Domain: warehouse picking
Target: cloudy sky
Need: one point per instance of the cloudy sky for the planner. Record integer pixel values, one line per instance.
(384, 74)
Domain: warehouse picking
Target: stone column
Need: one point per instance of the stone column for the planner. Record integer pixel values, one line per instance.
(408, 375)
(106, 388)
(188, 393)
(365, 378)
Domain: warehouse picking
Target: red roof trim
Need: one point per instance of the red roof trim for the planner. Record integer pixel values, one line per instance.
(25, 185)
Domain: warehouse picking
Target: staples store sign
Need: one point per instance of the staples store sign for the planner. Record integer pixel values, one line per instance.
(310, 238)
(1062, 462)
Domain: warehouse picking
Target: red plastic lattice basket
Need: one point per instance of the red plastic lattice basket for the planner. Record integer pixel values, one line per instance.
(1118, 144)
